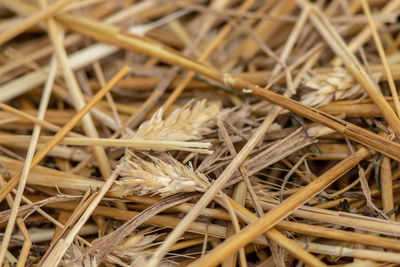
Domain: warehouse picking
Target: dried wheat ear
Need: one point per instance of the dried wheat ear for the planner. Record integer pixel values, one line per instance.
(191, 122)
(328, 87)
(159, 177)
(165, 178)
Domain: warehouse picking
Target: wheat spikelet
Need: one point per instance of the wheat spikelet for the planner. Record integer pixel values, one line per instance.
(133, 248)
(191, 122)
(75, 257)
(337, 85)
(159, 177)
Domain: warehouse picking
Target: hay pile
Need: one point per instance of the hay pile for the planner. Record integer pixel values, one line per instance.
(199, 133)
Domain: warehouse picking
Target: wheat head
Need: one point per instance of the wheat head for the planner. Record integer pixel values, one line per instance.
(159, 177)
(327, 87)
(191, 122)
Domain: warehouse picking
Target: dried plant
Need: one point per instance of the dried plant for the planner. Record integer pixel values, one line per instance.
(327, 87)
(167, 176)
(141, 261)
(134, 244)
(201, 54)
(137, 254)
(159, 177)
(191, 122)
(75, 257)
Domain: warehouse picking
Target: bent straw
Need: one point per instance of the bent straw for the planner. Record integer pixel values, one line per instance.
(114, 35)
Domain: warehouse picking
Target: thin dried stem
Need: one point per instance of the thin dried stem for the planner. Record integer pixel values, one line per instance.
(137, 144)
(21, 225)
(382, 55)
(28, 160)
(387, 188)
